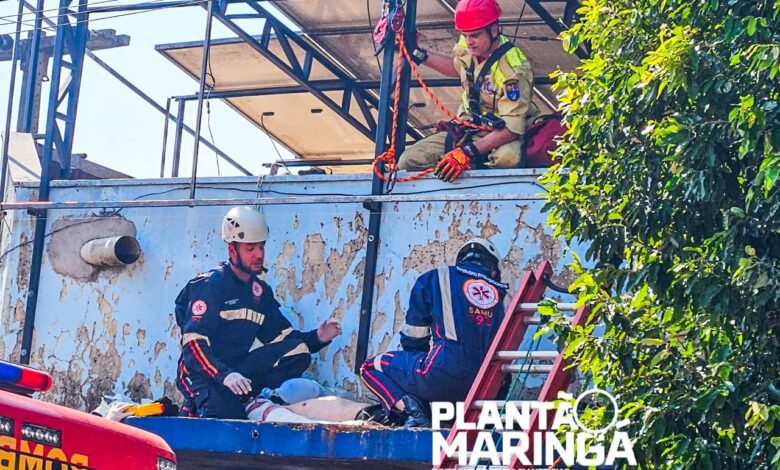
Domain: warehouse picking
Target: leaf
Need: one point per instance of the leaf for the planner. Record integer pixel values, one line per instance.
(652, 342)
(659, 356)
(751, 26)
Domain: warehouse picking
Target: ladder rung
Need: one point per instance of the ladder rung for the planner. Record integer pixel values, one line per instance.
(570, 307)
(534, 355)
(479, 404)
(528, 368)
(531, 320)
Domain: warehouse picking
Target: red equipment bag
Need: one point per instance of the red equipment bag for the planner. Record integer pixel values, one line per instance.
(540, 140)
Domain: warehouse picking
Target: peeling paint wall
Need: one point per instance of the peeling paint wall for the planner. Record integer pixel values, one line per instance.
(112, 331)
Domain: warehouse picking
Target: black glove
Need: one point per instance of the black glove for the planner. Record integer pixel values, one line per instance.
(419, 55)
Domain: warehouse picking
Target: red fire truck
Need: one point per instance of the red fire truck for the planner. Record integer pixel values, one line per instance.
(36, 435)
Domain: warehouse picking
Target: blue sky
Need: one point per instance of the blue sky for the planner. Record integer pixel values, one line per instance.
(118, 129)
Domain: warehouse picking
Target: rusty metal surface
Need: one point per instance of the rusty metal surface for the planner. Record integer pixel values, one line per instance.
(114, 331)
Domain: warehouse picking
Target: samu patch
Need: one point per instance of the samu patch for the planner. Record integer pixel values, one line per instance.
(257, 290)
(480, 294)
(199, 308)
(512, 90)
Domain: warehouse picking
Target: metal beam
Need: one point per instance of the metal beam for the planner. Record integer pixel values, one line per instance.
(557, 26)
(277, 201)
(30, 100)
(98, 40)
(426, 26)
(288, 62)
(332, 85)
(321, 85)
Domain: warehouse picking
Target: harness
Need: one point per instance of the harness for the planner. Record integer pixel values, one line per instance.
(475, 85)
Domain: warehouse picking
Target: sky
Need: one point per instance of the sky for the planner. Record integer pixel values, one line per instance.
(118, 129)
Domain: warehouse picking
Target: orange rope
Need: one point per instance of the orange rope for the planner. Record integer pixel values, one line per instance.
(388, 156)
(430, 94)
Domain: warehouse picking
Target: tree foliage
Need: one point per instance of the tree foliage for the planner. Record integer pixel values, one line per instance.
(670, 173)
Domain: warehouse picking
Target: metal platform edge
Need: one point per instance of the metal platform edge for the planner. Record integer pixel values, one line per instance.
(200, 441)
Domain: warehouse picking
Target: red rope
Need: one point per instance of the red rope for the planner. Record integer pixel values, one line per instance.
(388, 156)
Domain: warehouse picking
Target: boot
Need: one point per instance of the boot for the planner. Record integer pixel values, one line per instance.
(376, 413)
(416, 413)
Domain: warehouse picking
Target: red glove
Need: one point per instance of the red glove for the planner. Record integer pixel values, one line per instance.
(452, 165)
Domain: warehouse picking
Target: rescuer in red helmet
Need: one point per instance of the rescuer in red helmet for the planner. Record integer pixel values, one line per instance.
(497, 83)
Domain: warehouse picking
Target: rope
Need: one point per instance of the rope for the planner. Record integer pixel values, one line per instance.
(431, 95)
(388, 156)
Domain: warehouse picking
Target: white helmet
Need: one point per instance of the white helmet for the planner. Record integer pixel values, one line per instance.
(477, 245)
(243, 224)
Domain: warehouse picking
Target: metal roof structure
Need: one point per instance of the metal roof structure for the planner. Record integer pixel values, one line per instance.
(315, 86)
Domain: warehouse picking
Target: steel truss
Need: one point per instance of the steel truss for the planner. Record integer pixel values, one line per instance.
(300, 70)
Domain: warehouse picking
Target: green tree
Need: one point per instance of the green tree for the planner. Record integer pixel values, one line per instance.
(669, 171)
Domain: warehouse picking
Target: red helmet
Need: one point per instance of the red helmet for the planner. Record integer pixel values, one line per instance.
(471, 15)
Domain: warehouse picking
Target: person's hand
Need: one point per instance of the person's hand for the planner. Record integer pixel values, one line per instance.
(238, 384)
(118, 411)
(328, 330)
(452, 165)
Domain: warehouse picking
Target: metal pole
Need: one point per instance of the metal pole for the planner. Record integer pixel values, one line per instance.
(271, 201)
(177, 139)
(10, 107)
(27, 107)
(199, 117)
(165, 137)
(410, 30)
(77, 45)
(377, 187)
(39, 234)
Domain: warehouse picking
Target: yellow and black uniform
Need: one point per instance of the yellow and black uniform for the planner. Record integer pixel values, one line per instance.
(505, 91)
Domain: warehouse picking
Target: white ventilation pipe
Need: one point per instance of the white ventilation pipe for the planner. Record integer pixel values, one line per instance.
(111, 251)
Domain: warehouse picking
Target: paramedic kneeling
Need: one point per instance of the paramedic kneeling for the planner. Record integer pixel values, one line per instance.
(461, 307)
(235, 340)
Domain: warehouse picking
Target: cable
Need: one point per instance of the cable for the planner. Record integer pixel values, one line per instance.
(519, 19)
(33, 11)
(370, 30)
(162, 7)
(410, 193)
(211, 87)
(273, 142)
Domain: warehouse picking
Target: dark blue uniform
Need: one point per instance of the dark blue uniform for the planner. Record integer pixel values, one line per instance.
(461, 308)
(233, 326)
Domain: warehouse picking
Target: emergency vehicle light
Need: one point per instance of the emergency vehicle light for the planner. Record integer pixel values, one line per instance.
(42, 435)
(24, 377)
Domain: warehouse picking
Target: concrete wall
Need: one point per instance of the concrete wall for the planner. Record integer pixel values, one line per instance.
(101, 332)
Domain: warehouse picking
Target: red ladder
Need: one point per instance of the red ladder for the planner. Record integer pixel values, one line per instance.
(513, 329)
